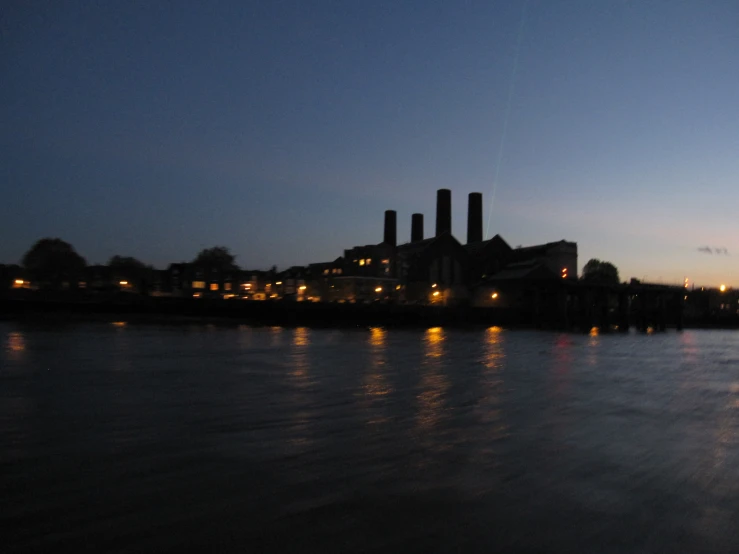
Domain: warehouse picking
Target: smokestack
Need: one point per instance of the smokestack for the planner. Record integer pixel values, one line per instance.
(443, 211)
(416, 227)
(391, 227)
(474, 218)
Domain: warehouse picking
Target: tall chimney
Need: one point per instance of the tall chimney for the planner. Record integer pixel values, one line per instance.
(416, 227)
(474, 218)
(391, 228)
(443, 211)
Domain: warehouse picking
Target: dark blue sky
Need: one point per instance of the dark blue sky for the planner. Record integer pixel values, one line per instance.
(283, 129)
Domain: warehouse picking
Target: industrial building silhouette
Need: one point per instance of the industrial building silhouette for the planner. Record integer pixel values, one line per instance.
(440, 269)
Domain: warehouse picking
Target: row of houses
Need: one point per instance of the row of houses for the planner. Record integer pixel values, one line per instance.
(178, 280)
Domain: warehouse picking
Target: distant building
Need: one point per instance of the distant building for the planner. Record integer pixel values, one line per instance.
(367, 274)
(190, 280)
(560, 257)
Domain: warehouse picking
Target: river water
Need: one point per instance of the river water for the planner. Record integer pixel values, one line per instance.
(189, 438)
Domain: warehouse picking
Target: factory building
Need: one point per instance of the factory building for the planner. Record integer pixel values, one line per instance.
(440, 269)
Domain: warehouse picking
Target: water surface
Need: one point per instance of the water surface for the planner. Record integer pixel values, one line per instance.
(149, 438)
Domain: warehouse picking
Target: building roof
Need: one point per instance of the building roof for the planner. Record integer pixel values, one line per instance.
(541, 249)
(411, 248)
(477, 248)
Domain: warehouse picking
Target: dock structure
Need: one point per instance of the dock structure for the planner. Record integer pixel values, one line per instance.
(643, 306)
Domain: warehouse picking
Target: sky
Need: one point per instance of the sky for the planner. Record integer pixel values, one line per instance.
(284, 129)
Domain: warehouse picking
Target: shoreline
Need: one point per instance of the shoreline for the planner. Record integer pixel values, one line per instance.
(148, 310)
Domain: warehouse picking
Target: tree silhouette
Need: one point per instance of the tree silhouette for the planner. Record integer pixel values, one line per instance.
(218, 257)
(597, 271)
(127, 263)
(132, 270)
(54, 260)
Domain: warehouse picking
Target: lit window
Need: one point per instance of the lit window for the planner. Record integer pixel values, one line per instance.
(361, 262)
(325, 271)
(369, 261)
(198, 284)
(386, 262)
(227, 286)
(339, 271)
(214, 286)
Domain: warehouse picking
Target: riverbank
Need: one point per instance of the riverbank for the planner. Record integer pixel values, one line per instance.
(126, 307)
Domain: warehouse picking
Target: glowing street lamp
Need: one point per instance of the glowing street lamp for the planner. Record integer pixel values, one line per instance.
(494, 295)
(378, 289)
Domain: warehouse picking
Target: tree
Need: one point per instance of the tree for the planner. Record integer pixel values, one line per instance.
(217, 257)
(126, 263)
(127, 268)
(596, 271)
(54, 260)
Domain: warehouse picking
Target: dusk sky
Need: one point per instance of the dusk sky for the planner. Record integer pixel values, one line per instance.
(284, 129)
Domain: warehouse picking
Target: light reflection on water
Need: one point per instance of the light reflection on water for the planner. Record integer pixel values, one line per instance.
(141, 438)
(15, 345)
(433, 386)
(375, 383)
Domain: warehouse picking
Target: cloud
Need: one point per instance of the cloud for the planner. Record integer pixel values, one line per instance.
(718, 250)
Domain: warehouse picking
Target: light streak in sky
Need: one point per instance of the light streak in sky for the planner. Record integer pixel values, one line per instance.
(504, 132)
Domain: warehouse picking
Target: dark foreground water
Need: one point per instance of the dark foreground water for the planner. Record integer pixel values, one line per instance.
(123, 438)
